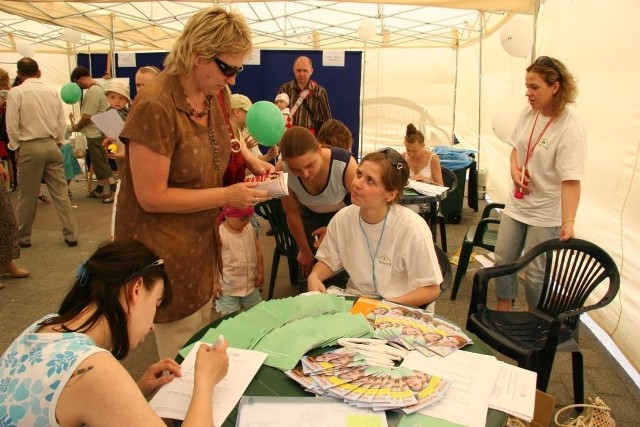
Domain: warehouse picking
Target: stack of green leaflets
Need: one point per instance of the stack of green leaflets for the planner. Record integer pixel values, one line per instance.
(287, 328)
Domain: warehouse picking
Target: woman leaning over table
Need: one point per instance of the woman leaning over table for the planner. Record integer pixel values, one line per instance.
(386, 248)
(547, 164)
(319, 188)
(64, 369)
(177, 150)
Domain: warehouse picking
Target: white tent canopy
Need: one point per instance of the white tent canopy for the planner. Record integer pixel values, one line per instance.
(598, 41)
(146, 25)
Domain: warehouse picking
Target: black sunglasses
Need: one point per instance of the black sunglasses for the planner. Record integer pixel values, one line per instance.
(226, 69)
(393, 156)
(545, 60)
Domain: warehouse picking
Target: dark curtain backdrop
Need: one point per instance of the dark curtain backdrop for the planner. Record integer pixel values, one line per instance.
(261, 82)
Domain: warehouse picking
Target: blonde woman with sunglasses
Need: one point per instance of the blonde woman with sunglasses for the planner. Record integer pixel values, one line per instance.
(178, 147)
(387, 249)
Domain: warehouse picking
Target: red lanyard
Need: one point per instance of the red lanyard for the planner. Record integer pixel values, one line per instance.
(529, 147)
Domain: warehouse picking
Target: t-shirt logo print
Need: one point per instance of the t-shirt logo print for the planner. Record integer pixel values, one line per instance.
(384, 260)
(544, 144)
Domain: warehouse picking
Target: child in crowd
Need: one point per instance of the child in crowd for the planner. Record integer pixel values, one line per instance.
(282, 101)
(240, 105)
(240, 282)
(119, 99)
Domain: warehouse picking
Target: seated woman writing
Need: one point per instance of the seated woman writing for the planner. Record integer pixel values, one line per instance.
(386, 248)
(64, 369)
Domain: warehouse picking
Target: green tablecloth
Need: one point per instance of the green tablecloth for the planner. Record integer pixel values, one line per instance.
(273, 382)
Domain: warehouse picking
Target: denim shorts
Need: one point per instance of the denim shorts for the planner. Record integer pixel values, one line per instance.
(228, 304)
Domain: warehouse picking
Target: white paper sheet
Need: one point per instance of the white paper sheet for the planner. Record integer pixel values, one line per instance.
(424, 188)
(110, 123)
(172, 400)
(486, 262)
(480, 382)
(515, 391)
(473, 376)
(305, 411)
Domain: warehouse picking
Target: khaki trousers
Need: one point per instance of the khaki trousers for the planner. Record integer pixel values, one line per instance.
(38, 159)
(172, 336)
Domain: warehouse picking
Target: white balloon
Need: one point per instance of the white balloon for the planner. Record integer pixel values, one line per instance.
(71, 35)
(367, 29)
(503, 124)
(516, 37)
(25, 49)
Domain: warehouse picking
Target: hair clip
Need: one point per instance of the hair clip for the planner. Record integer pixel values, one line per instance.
(82, 274)
(399, 166)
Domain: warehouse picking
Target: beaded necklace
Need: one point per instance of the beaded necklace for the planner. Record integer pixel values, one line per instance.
(199, 114)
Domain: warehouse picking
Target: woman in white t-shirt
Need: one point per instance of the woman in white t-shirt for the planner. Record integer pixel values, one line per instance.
(386, 248)
(547, 164)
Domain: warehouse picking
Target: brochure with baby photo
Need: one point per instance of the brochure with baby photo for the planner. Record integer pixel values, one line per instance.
(344, 375)
(274, 183)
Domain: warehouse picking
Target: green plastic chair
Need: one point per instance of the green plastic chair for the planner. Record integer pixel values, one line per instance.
(272, 211)
(483, 235)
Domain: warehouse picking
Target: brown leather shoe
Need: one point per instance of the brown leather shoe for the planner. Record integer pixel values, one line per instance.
(19, 272)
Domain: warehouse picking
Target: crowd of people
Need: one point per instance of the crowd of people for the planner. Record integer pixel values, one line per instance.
(182, 232)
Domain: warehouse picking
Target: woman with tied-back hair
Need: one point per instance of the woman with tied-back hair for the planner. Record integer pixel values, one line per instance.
(65, 368)
(319, 188)
(547, 165)
(423, 163)
(177, 150)
(386, 249)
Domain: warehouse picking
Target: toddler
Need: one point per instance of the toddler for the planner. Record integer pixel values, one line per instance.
(241, 280)
(118, 96)
(282, 101)
(119, 99)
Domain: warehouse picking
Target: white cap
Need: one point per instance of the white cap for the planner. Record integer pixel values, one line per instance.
(119, 87)
(283, 97)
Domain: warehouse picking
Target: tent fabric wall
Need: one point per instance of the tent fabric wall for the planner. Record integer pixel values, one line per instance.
(607, 65)
(587, 36)
(599, 44)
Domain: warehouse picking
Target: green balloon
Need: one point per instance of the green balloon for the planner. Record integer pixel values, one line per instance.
(70, 93)
(265, 122)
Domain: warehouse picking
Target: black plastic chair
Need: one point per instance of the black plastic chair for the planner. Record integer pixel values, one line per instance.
(450, 180)
(483, 235)
(573, 270)
(272, 211)
(445, 268)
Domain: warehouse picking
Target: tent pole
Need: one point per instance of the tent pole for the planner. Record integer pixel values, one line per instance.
(480, 88)
(535, 30)
(455, 90)
(112, 49)
(364, 83)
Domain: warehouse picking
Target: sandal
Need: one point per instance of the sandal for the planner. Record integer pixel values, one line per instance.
(44, 199)
(95, 195)
(18, 273)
